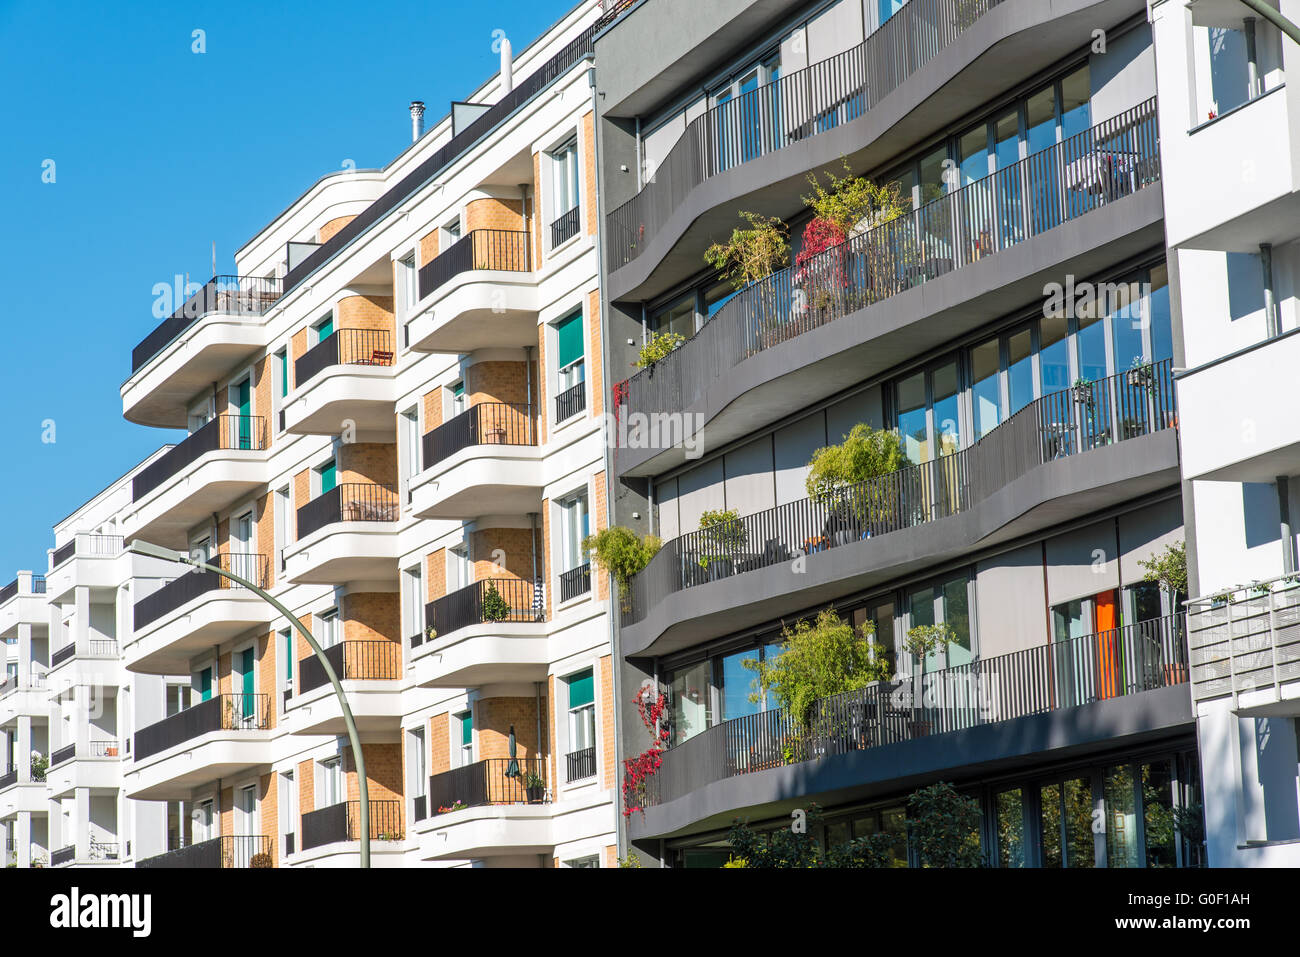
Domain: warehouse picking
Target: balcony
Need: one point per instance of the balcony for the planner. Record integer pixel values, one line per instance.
(491, 631)
(580, 765)
(28, 698)
(96, 765)
(371, 673)
(570, 402)
(486, 809)
(566, 227)
(96, 663)
(23, 602)
(346, 534)
(914, 283)
(215, 330)
(479, 293)
(234, 851)
(1047, 698)
(575, 582)
(1245, 648)
(340, 823)
(347, 376)
(483, 461)
(88, 560)
(192, 613)
(1065, 454)
(222, 737)
(208, 472)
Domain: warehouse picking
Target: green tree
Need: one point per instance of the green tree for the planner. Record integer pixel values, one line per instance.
(1168, 569)
(799, 845)
(751, 254)
(840, 476)
(622, 553)
(945, 827)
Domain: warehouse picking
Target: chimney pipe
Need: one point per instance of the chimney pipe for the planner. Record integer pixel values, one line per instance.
(507, 66)
(417, 119)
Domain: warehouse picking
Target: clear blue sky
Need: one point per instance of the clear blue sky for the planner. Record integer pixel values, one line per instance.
(159, 152)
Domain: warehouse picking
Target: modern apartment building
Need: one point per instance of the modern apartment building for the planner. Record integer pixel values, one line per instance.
(1228, 134)
(1013, 324)
(395, 425)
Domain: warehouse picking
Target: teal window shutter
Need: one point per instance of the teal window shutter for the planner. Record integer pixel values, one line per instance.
(284, 374)
(328, 477)
(568, 333)
(582, 689)
(466, 730)
(205, 684)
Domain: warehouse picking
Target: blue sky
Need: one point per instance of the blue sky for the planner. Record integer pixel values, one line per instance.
(158, 153)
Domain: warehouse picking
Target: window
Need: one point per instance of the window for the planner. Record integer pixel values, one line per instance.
(412, 604)
(574, 527)
(282, 371)
(327, 628)
(177, 698)
(331, 781)
(677, 317)
(407, 287)
(324, 328)
(409, 422)
(287, 655)
(564, 165)
(592, 862)
(457, 399)
(203, 821)
(327, 477)
(464, 723)
(451, 233)
(420, 779)
(582, 719)
(943, 603)
(459, 573)
(283, 529)
(570, 351)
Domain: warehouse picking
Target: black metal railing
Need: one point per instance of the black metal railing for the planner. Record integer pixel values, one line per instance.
(10, 591)
(200, 581)
(570, 402)
(800, 105)
(239, 295)
(357, 660)
(92, 546)
(350, 502)
(104, 850)
(1113, 159)
(566, 227)
(63, 755)
(420, 807)
(62, 654)
(488, 423)
(1140, 657)
(575, 582)
(506, 250)
(227, 712)
(342, 822)
(230, 432)
(492, 781)
(489, 600)
(232, 851)
(345, 347)
(9, 778)
(581, 764)
(1058, 425)
(64, 855)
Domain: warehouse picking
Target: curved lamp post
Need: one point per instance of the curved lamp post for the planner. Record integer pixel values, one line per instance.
(1275, 18)
(169, 555)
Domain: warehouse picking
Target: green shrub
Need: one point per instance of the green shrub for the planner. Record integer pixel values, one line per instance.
(495, 607)
(621, 552)
(945, 827)
(660, 344)
(751, 254)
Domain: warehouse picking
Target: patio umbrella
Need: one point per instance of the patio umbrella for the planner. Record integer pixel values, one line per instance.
(512, 769)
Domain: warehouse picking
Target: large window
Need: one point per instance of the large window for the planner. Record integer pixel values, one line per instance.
(464, 724)
(564, 166)
(331, 781)
(574, 527)
(570, 353)
(582, 712)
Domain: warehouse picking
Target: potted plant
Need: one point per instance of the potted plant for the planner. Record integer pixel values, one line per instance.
(622, 553)
(495, 607)
(657, 347)
(1083, 391)
(534, 788)
(1141, 375)
(752, 254)
(724, 534)
(430, 633)
(841, 479)
(261, 861)
(921, 642)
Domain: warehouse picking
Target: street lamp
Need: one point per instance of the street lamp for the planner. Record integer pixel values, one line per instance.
(150, 550)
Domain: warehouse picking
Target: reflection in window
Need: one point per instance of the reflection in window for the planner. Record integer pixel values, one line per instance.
(1122, 848)
(986, 393)
(1011, 829)
(947, 409)
(1020, 370)
(691, 709)
(912, 418)
(1158, 814)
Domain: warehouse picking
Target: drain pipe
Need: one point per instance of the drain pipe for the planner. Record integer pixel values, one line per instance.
(528, 391)
(1274, 327)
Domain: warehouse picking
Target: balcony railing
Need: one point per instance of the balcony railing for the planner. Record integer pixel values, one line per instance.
(570, 402)
(566, 227)
(104, 851)
(10, 591)
(62, 654)
(350, 502)
(489, 423)
(64, 855)
(581, 764)
(237, 850)
(802, 104)
(1111, 410)
(103, 749)
(420, 807)
(229, 432)
(95, 648)
(1113, 159)
(575, 582)
(9, 778)
(505, 250)
(356, 660)
(237, 295)
(1140, 657)
(1245, 640)
(227, 712)
(200, 581)
(88, 546)
(345, 347)
(342, 822)
(489, 600)
(493, 781)
(63, 755)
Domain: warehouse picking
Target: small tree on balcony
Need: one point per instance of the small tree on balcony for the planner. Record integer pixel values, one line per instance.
(751, 254)
(622, 553)
(1168, 569)
(658, 347)
(495, 607)
(840, 477)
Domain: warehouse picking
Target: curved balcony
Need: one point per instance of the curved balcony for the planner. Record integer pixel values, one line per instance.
(348, 376)
(89, 560)
(222, 737)
(1060, 698)
(96, 764)
(23, 602)
(330, 834)
(217, 328)
(908, 285)
(486, 809)
(371, 673)
(208, 472)
(346, 534)
(483, 461)
(220, 852)
(196, 611)
(1066, 454)
(921, 71)
(491, 631)
(479, 293)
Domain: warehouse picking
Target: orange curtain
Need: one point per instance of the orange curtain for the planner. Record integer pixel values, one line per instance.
(1107, 645)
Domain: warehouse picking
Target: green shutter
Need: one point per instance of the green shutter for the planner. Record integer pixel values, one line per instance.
(568, 332)
(325, 329)
(458, 390)
(284, 374)
(328, 477)
(466, 730)
(205, 684)
(582, 690)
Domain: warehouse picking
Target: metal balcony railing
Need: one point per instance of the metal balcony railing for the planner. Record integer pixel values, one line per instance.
(1111, 410)
(342, 822)
(9, 778)
(345, 347)
(356, 660)
(64, 855)
(1113, 159)
(63, 755)
(1124, 661)
(227, 712)
(493, 781)
(63, 654)
(420, 807)
(10, 591)
(566, 227)
(232, 851)
(505, 250)
(581, 764)
(350, 502)
(570, 402)
(575, 582)
(87, 546)
(229, 432)
(800, 105)
(1245, 640)
(238, 295)
(489, 600)
(488, 423)
(200, 581)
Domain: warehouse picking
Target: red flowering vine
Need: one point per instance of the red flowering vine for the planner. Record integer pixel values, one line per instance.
(651, 705)
(820, 265)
